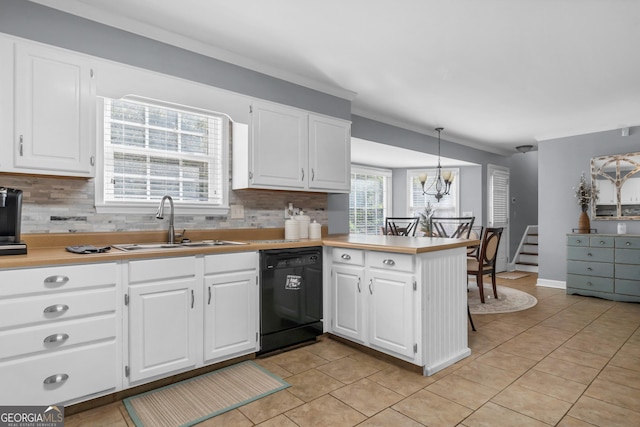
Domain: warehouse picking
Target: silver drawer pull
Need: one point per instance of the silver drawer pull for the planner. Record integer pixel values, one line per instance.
(56, 338)
(578, 241)
(628, 243)
(589, 254)
(56, 280)
(602, 242)
(359, 290)
(389, 262)
(55, 379)
(589, 284)
(371, 286)
(346, 256)
(589, 269)
(56, 308)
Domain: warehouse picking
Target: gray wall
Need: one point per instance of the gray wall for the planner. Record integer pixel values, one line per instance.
(523, 189)
(561, 163)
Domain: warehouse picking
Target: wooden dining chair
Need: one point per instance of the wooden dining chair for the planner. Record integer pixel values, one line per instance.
(476, 234)
(453, 227)
(486, 261)
(401, 226)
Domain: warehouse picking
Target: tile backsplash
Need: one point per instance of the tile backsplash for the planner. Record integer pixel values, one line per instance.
(60, 205)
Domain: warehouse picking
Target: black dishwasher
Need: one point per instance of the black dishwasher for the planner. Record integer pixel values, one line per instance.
(290, 297)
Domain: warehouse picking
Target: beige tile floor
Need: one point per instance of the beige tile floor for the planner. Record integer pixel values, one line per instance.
(569, 361)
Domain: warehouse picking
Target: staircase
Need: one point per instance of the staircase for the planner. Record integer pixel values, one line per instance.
(527, 257)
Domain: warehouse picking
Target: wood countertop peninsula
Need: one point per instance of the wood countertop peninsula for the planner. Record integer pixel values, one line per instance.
(398, 244)
(49, 249)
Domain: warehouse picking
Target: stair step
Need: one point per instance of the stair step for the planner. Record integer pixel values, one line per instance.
(527, 263)
(528, 253)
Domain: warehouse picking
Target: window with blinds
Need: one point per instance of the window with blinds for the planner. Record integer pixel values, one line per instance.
(499, 197)
(446, 207)
(151, 150)
(369, 199)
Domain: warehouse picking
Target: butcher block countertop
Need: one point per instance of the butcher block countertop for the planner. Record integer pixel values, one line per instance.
(49, 249)
(398, 244)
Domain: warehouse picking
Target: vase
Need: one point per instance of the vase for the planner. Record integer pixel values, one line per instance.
(584, 225)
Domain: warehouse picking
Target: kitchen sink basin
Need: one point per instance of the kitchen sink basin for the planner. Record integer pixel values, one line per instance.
(157, 246)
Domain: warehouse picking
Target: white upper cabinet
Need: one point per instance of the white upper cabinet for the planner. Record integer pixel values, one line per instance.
(54, 112)
(291, 149)
(329, 154)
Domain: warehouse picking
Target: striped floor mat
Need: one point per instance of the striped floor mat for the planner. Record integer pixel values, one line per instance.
(194, 400)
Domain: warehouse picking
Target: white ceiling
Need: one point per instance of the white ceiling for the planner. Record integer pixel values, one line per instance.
(494, 73)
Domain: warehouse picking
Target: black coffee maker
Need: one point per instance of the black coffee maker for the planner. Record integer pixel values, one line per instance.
(10, 217)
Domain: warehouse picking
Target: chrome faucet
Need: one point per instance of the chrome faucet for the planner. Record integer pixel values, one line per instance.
(160, 215)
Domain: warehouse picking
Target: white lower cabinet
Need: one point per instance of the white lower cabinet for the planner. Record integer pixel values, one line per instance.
(162, 317)
(57, 324)
(231, 305)
(373, 297)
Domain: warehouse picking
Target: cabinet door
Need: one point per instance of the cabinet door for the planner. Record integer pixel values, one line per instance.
(391, 312)
(230, 315)
(54, 112)
(329, 154)
(279, 140)
(347, 301)
(162, 328)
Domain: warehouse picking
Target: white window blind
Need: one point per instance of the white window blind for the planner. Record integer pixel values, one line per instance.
(369, 199)
(446, 207)
(500, 197)
(153, 149)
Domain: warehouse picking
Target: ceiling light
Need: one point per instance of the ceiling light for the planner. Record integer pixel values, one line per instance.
(524, 148)
(443, 180)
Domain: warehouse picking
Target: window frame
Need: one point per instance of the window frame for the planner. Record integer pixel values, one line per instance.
(387, 191)
(148, 206)
(414, 173)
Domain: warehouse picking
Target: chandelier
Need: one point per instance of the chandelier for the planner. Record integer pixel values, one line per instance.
(443, 180)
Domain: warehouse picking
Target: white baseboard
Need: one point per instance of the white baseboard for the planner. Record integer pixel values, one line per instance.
(558, 284)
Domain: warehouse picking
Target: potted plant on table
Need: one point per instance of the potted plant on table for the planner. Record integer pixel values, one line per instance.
(425, 219)
(585, 193)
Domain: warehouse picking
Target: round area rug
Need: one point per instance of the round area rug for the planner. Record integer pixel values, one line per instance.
(509, 300)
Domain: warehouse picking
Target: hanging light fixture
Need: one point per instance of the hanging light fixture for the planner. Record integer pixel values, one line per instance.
(443, 180)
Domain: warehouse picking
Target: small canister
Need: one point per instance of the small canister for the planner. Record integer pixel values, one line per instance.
(315, 230)
(304, 224)
(291, 229)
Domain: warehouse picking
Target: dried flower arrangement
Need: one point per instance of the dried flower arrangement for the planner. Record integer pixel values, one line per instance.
(585, 193)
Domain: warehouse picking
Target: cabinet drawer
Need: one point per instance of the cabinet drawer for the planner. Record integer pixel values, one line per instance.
(63, 278)
(88, 370)
(590, 254)
(347, 256)
(587, 268)
(578, 240)
(390, 261)
(224, 263)
(56, 335)
(628, 287)
(44, 308)
(591, 283)
(601, 241)
(148, 270)
(628, 242)
(628, 256)
(628, 271)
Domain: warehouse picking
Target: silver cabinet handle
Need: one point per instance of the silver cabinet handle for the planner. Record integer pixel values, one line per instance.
(193, 298)
(92, 161)
(628, 243)
(302, 175)
(313, 174)
(57, 378)
(578, 241)
(589, 284)
(56, 280)
(346, 256)
(209, 300)
(21, 144)
(389, 262)
(602, 242)
(359, 290)
(589, 254)
(56, 338)
(589, 268)
(250, 175)
(370, 285)
(56, 308)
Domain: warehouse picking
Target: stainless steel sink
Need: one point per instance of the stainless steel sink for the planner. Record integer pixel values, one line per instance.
(156, 246)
